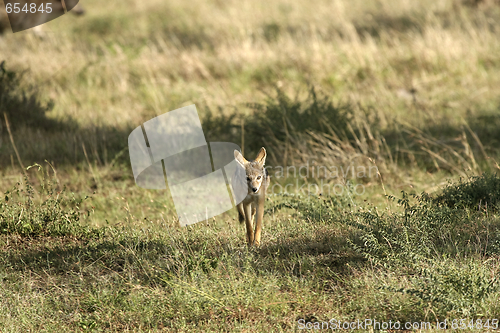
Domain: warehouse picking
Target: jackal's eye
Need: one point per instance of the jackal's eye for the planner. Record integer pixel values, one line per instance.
(248, 179)
(259, 177)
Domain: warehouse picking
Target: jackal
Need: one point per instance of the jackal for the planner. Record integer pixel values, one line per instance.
(254, 175)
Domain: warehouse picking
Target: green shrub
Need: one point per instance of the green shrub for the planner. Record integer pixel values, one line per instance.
(479, 192)
(420, 240)
(432, 225)
(420, 231)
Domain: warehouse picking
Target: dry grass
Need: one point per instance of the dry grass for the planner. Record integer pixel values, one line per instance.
(419, 63)
(116, 64)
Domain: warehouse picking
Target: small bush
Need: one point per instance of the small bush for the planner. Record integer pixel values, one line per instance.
(422, 232)
(421, 240)
(433, 225)
(479, 192)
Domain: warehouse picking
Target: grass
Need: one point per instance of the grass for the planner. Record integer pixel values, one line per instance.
(321, 260)
(382, 118)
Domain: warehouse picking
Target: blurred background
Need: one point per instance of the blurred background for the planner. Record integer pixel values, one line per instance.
(410, 86)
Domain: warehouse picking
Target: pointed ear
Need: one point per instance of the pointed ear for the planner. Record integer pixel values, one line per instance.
(240, 159)
(261, 156)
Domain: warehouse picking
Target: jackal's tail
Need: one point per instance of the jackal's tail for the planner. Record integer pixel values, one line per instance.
(241, 218)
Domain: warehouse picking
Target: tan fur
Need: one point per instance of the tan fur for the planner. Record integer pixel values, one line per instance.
(257, 179)
(22, 20)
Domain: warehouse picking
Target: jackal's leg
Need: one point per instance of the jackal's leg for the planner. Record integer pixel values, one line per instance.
(241, 213)
(260, 216)
(248, 220)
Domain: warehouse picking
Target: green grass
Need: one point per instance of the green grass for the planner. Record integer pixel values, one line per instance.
(321, 260)
(403, 93)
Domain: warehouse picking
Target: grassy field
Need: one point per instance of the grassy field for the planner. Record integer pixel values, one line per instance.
(381, 120)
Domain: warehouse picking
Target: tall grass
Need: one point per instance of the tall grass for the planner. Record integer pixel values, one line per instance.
(29, 211)
(390, 56)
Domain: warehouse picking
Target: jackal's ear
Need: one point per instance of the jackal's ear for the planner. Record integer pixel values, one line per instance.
(240, 159)
(261, 156)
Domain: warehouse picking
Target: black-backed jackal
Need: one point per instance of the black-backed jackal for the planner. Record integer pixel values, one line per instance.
(254, 175)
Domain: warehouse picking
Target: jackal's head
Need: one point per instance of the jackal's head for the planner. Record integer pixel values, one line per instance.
(255, 172)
